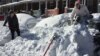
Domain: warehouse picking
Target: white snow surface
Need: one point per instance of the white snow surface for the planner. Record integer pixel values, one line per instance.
(74, 40)
(96, 17)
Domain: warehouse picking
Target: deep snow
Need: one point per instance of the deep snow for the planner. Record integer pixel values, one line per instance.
(74, 40)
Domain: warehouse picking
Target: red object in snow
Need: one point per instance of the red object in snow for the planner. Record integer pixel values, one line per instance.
(48, 47)
(1, 18)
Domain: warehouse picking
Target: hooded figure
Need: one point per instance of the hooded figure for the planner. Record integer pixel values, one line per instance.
(13, 23)
(81, 11)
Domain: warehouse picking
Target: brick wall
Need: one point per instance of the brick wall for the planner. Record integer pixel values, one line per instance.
(52, 12)
(1, 18)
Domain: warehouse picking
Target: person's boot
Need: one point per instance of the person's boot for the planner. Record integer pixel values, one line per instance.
(13, 37)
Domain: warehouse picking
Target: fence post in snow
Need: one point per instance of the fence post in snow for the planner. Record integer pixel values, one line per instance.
(46, 4)
(39, 5)
(26, 6)
(32, 5)
(84, 2)
(66, 7)
(56, 4)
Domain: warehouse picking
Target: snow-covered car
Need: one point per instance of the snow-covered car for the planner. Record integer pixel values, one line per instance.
(26, 20)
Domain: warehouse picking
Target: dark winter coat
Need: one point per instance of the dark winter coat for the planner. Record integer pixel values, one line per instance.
(12, 22)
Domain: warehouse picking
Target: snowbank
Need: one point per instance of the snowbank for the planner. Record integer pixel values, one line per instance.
(54, 20)
(3, 33)
(74, 40)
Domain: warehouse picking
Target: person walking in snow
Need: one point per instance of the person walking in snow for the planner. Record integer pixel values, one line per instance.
(13, 23)
(80, 13)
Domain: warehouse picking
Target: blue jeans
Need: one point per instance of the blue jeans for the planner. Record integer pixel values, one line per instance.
(84, 20)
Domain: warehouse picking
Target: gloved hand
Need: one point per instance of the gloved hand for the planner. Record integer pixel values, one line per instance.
(90, 16)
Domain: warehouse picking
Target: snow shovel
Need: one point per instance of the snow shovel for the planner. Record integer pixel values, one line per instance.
(49, 45)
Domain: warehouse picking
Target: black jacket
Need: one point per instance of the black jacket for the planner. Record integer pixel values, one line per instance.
(12, 22)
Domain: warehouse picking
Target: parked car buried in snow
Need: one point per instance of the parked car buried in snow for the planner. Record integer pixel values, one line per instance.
(26, 20)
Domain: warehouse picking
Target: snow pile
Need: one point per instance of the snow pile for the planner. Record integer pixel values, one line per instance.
(71, 40)
(74, 40)
(52, 21)
(4, 34)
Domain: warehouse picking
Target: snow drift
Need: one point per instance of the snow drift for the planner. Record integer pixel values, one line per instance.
(74, 40)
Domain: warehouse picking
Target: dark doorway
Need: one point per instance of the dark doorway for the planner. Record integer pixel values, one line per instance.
(42, 7)
(95, 6)
(61, 6)
(92, 5)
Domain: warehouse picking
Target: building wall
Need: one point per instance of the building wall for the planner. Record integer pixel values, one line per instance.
(98, 6)
(99, 1)
(7, 1)
(0, 1)
(92, 5)
(89, 4)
